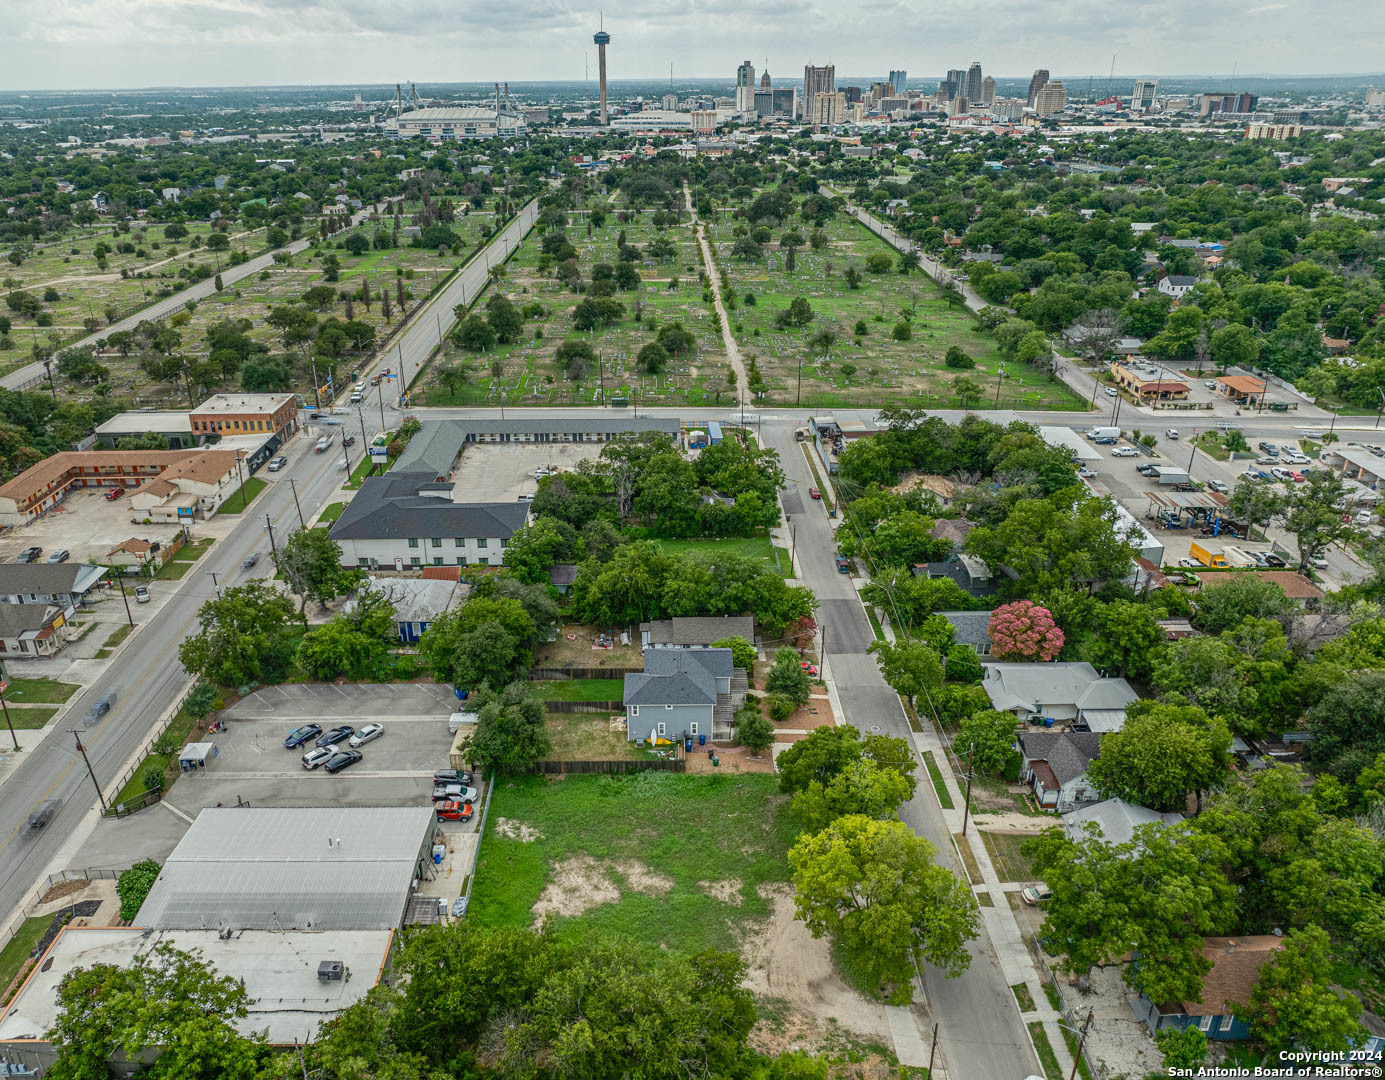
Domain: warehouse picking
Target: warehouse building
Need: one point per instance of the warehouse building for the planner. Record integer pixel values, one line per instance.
(460, 123)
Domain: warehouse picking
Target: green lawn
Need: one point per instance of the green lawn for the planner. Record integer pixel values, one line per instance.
(331, 512)
(1052, 1070)
(192, 552)
(31, 719)
(685, 828)
(582, 689)
(944, 799)
(757, 547)
(40, 691)
(1004, 849)
(117, 636)
(358, 475)
(252, 487)
(176, 736)
(589, 737)
(21, 945)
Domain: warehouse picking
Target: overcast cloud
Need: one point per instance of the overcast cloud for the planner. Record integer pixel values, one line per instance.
(134, 43)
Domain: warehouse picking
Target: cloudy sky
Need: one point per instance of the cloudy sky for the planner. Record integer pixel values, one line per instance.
(134, 43)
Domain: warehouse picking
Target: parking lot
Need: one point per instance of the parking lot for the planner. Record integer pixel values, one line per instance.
(501, 472)
(87, 525)
(252, 765)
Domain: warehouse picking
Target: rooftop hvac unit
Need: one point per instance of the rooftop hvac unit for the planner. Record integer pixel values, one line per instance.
(331, 971)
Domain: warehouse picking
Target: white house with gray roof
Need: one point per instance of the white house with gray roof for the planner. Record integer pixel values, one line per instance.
(1116, 818)
(695, 632)
(1054, 764)
(405, 521)
(1064, 693)
(970, 628)
(683, 694)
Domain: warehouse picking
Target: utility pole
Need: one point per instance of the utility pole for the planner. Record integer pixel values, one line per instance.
(933, 1050)
(317, 390)
(269, 528)
(365, 445)
(121, 583)
(215, 584)
(971, 770)
(240, 472)
(1192, 455)
(90, 772)
(403, 382)
(1081, 1042)
(4, 683)
(301, 523)
(822, 661)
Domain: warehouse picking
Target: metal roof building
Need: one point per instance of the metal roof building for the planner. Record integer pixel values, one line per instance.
(292, 868)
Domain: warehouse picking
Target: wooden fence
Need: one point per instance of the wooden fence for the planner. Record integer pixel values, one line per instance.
(652, 765)
(584, 706)
(540, 674)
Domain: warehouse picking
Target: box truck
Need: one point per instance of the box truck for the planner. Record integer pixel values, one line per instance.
(1208, 556)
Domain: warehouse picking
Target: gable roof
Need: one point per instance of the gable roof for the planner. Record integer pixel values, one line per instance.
(1236, 964)
(699, 630)
(717, 663)
(683, 682)
(969, 627)
(1034, 685)
(390, 507)
(17, 619)
(1068, 753)
(1117, 818)
(48, 578)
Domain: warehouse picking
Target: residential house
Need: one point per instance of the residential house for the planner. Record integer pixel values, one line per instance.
(971, 574)
(561, 576)
(954, 530)
(1054, 764)
(63, 584)
(1068, 692)
(416, 601)
(1236, 964)
(1176, 285)
(693, 633)
(137, 553)
(970, 628)
(408, 520)
(690, 693)
(32, 631)
(1116, 818)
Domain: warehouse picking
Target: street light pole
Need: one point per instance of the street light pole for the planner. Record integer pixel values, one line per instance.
(294, 489)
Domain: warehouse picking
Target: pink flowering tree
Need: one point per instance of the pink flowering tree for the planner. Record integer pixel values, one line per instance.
(1024, 631)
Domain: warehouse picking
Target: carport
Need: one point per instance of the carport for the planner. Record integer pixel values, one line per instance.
(1168, 508)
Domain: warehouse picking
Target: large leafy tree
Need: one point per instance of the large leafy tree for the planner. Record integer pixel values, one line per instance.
(987, 739)
(511, 731)
(487, 640)
(1126, 638)
(1022, 630)
(1293, 1004)
(818, 758)
(1163, 753)
(874, 887)
(910, 666)
(243, 637)
(788, 678)
(310, 561)
(862, 787)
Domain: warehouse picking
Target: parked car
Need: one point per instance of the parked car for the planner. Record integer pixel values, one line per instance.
(1218, 486)
(61, 555)
(141, 594)
(367, 733)
(1125, 451)
(300, 735)
(29, 554)
(1086, 473)
(1189, 563)
(1282, 474)
(452, 810)
(100, 707)
(1268, 447)
(1036, 894)
(114, 494)
(278, 463)
(451, 776)
(1111, 391)
(843, 565)
(1266, 459)
(1210, 384)
(1145, 469)
(250, 560)
(458, 792)
(318, 755)
(1319, 562)
(341, 760)
(1109, 440)
(814, 493)
(1271, 559)
(811, 669)
(1376, 451)
(340, 733)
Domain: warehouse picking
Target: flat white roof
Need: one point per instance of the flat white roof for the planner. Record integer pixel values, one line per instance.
(1070, 440)
(279, 971)
(140, 421)
(1358, 456)
(241, 403)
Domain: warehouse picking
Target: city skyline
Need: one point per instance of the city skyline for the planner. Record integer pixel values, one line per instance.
(118, 44)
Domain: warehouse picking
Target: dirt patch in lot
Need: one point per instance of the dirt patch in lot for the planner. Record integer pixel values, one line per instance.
(581, 882)
(516, 830)
(728, 891)
(786, 962)
(64, 888)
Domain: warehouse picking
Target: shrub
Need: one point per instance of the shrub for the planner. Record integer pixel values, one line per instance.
(133, 885)
(781, 707)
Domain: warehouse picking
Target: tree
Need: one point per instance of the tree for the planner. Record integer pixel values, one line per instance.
(475, 333)
(967, 390)
(1239, 597)
(653, 358)
(910, 667)
(862, 787)
(818, 758)
(1234, 346)
(1024, 631)
(451, 376)
(874, 887)
(165, 1002)
(957, 359)
(1349, 716)
(339, 648)
(743, 653)
(243, 637)
(511, 732)
(504, 319)
(1293, 1004)
(331, 267)
(1184, 1050)
(1126, 638)
(1163, 753)
(799, 313)
(1311, 513)
(754, 731)
(787, 677)
(487, 640)
(133, 885)
(987, 739)
(356, 243)
(264, 374)
(310, 561)
(218, 241)
(853, 277)
(576, 357)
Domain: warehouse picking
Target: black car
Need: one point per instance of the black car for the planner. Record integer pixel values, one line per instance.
(29, 554)
(451, 776)
(343, 760)
(336, 735)
(43, 814)
(350, 440)
(1271, 559)
(250, 560)
(99, 708)
(302, 735)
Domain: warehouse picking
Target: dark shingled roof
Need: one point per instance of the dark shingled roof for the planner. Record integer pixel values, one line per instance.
(390, 507)
(1068, 753)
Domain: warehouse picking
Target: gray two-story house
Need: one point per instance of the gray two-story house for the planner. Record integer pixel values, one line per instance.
(683, 694)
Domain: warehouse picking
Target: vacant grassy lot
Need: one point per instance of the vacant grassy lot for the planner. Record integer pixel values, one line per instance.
(31, 719)
(758, 548)
(1004, 849)
(641, 855)
(865, 364)
(589, 737)
(526, 371)
(582, 689)
(39, 691)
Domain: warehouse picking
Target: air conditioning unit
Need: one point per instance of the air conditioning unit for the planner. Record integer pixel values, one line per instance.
(331, 971)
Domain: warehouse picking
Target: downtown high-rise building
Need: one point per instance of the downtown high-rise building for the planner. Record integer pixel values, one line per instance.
(1037, 82)
(1142, 100)
(973, 90)
(745, 87)
(817, 80)
(956, 83)
(899, 80)
(988, 91)
(1052, 98)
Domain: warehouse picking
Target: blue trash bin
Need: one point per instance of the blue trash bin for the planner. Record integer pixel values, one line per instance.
(702, 740)
(687, 745)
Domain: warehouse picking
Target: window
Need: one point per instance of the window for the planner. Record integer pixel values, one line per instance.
(414, 560)
(692, 728)
(634, 710)
(437, 560)
(458, 541)
(461, 560)
(1205, 1023)
(1227, 1021)
(413, 542)
(504, 543)
(435, 542)
(481, 542)
(661, 728)
(483, 561)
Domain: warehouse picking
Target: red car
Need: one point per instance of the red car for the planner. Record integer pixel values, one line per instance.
(451, 810)
(814, 493)
(811, 669)
(114, 494)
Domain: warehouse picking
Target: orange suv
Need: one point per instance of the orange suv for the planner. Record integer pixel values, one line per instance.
(452, 810)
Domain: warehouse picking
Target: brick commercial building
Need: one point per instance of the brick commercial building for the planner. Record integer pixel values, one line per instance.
(244, 414)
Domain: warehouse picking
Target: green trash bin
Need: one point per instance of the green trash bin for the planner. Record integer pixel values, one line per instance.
(716, 760)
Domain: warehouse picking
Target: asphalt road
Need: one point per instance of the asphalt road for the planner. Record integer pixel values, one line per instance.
(31, 374)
